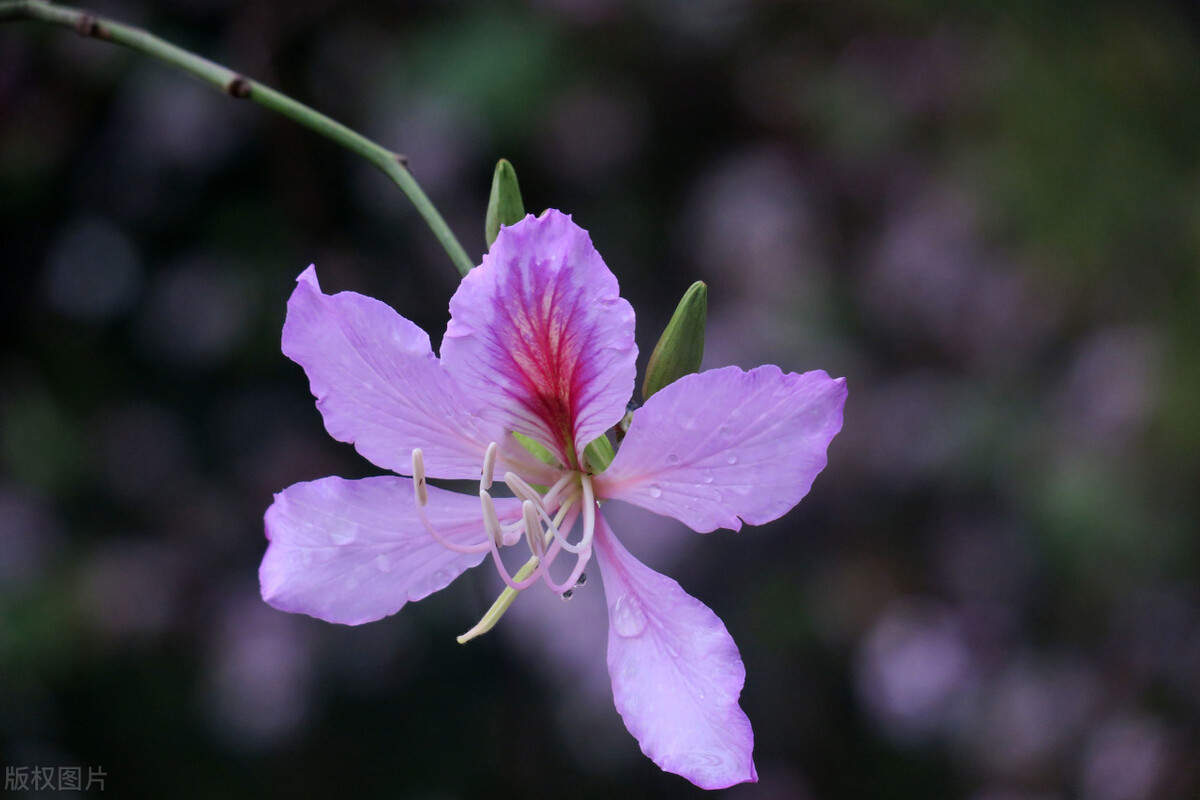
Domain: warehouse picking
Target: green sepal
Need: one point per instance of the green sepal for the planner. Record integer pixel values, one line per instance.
(599, 454)
(504, 205)
(681, 346)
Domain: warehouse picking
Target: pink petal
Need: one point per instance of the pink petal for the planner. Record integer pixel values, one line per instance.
(378, 384)
(355, 551)
(724, 444)
(676, 672)
(541, 331)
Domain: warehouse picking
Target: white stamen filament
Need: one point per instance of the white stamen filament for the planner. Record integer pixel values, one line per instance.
(558, 486)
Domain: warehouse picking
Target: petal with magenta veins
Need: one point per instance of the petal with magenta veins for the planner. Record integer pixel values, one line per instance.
(723, 446)
(356, 551)
(676, 673)
(540, 333)
(378, 384)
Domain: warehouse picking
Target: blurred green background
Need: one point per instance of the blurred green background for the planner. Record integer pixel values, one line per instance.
(984, 215)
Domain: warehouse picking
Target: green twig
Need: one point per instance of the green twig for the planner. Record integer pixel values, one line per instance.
(236, 85)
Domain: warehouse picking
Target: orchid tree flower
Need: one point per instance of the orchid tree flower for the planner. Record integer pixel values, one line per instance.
(537, 362)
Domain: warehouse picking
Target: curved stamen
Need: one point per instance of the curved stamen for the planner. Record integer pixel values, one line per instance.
(581, 561)
(421, 499)
(589, 510)
(526, 492)
(584, 548)
(443, 541)
(495, 540)
(559, 485)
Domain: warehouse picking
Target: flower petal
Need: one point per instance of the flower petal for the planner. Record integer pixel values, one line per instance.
(356, 551)
(724, 444)
(676, 672)
(540, 328)
(378, 384)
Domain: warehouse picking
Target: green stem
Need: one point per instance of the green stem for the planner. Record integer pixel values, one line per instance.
(393, 164)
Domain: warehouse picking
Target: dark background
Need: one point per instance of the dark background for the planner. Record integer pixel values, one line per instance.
(984, 215)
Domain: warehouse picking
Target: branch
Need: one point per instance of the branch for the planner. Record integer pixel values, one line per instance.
(239, 86)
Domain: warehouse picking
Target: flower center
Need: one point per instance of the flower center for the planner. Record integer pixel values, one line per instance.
(547, 518)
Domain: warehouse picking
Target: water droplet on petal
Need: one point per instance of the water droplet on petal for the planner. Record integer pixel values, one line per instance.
(708, 476)
(655, 491)
(383, 563)
(731, 459)
(568, 594)
(344, 535)
(628, 618)
(582, 580)
(672, 459)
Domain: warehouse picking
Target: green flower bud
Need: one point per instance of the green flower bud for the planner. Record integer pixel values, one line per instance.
(681, 345)
(504, 205)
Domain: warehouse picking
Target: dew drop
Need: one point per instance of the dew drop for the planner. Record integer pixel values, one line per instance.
(383, 563)
(731, 459)
(628, 618)
(568, 594)
(344, 535)
(655, 491)
(708, 476)
(672, 459)
(582, 580)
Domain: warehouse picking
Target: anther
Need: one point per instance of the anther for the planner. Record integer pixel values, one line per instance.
(489, 465)
(522, 489)
(491, 521)
(418, 470)
(534, 536)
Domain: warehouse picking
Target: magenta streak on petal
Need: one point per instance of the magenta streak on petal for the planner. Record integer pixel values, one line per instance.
(540, 335)
(542, 352)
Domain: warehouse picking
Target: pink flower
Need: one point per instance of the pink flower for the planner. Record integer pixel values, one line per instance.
(540, 344)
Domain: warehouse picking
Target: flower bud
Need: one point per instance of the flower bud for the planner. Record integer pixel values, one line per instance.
(504, 204)
(681, 345)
